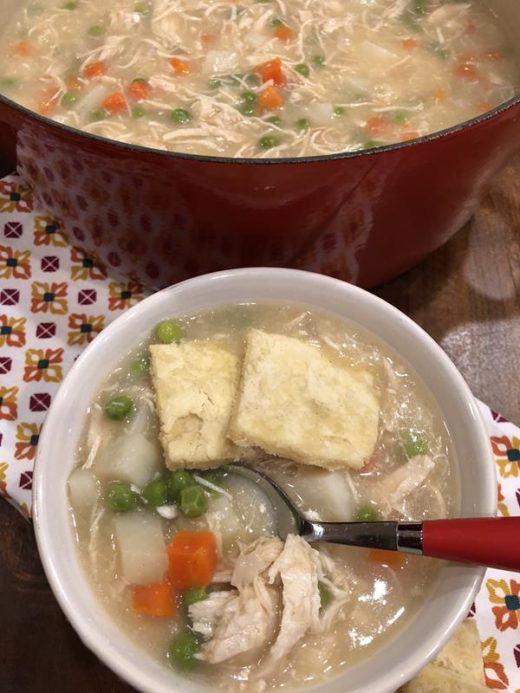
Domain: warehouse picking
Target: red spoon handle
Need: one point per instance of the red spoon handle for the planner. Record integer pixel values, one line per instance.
(490, 541)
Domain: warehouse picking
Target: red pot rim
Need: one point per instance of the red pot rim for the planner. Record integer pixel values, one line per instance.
(140, 149)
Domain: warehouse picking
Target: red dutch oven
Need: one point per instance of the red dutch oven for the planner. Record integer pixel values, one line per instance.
(160, 217)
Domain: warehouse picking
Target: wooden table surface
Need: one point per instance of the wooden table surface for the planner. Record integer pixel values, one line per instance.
(466, 295)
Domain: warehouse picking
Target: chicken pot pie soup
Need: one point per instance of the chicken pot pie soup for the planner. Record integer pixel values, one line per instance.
(184, 554)
(258, 78)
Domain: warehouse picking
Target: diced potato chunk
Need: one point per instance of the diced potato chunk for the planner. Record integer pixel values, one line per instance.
(141, 546)
(83, 488)
(132, 458)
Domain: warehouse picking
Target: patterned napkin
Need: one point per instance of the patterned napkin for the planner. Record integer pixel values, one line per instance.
(54, 300)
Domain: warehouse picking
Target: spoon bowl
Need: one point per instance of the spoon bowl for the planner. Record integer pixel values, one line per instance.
(488, 541)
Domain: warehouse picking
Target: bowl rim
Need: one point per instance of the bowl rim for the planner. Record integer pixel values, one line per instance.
(88, 630)
(139, 149)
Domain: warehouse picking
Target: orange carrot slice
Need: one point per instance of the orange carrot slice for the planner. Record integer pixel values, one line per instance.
(97, 69)
(153, 600)
(409, 135)
(23, 49)
(284, 33)
(440, 94)
(484, 106)
(467, 71)
(180, 67)
(192, 557)
(271, 70)
(410, 44)
(392, 559)
(114, 103)
(270, 99)
(140, 89)
(377, 125)
(47, 102)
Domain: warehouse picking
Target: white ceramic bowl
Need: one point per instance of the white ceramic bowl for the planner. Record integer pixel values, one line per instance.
(435, 621)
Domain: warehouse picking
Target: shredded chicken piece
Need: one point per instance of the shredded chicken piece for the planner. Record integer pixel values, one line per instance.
(204, 614)
(244, 620)
(299, 568)
(245, 623)
(254, 559)
(339, 584)
(393, 489)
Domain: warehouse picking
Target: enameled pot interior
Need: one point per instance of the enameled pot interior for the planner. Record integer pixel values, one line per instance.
(507, 10)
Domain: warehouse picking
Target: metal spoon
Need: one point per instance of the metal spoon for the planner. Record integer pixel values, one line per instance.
(489, 541)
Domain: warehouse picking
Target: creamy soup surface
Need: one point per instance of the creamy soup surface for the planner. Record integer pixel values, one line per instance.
(258, 78)
(339, 604)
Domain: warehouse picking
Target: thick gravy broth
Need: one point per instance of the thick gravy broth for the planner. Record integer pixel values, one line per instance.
(369, 596)
(258, 78)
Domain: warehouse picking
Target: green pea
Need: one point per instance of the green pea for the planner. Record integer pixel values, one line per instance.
(120, 497)
(413, 443)
(138, 112)
(302, 69)
(268, 142)
(140, 367)
(155, 493)
(438, 49)
(372, 144)
(142, 8)
(419, 7)
(247, 109)
(276, 21)
(248, 97)
(303, 124)
(176, 482)
(339, 111)
(399, 117)
(98, 114)
(252, 80)
(194, 595)
(318, 60)
(180, 116)
(275, 120)
(70, 5)
(96, 30)
(7, 83)
(410, 21)
(69, 99)
(366, 513)
(193, 501)
(169, 331)
(119, 407)
(214, 83)
(182, 651)
(325, 595)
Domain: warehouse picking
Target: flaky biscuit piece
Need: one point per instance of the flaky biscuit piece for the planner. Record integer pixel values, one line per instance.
(295, 403)
(458, 668)
(195, 385)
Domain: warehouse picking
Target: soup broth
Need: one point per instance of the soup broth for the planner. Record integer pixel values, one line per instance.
(258, 78)
(365, 598)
